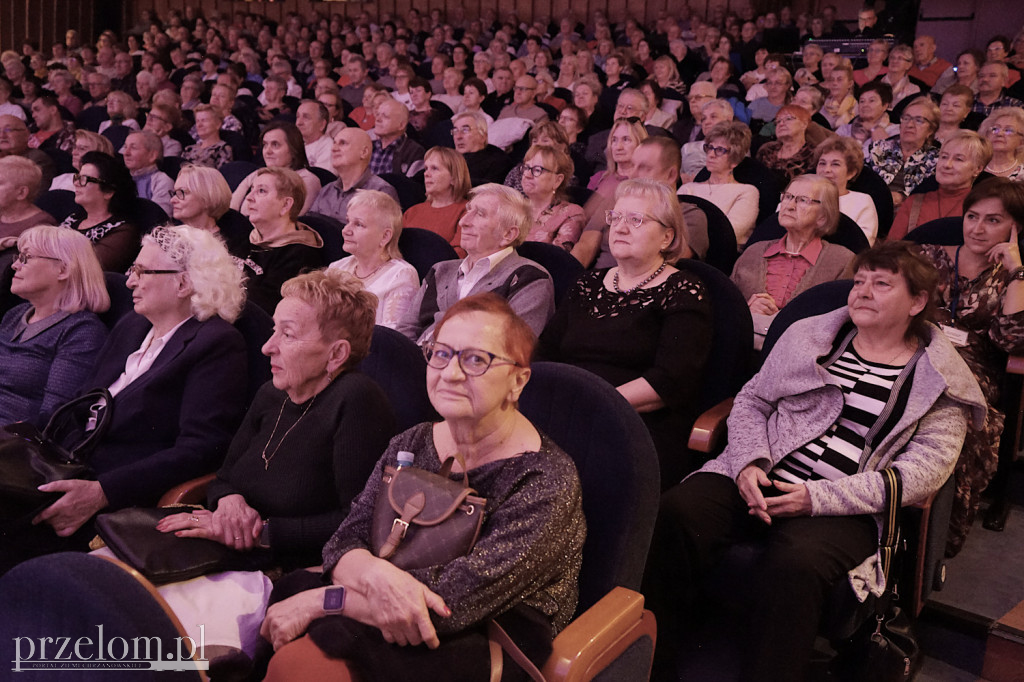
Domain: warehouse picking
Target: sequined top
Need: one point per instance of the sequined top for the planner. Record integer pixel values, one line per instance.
(990, 333)
(530, 546)
(792, 166)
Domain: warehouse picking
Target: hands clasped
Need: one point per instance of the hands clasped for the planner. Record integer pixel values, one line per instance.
(234, 524)
(793, 500)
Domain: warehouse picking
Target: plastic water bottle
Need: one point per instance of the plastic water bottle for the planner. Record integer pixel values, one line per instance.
(405, 459)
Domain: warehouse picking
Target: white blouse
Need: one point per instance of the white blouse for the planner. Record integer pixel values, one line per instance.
(395, 284)
(861, 208)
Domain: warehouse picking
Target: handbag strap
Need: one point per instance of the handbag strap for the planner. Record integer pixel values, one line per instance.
(496, 635)
(888, 543)
(446, 467)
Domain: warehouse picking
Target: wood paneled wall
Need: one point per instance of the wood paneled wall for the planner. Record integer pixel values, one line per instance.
(43, 21)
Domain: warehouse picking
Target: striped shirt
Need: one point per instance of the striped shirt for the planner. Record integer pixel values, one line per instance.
(871, 391)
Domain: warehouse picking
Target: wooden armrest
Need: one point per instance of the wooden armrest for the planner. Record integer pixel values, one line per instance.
(1015, 364)
(709, 427)
(599, 635)
(189, 492)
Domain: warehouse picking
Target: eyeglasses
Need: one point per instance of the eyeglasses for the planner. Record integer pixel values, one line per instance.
(24, 258)
(633, 220)
(81, 180)
(8, 130)
(139, 271)
(918, 120)
(800, 200)
(535, 171)
(178, 193)
(785, 119)
(718, 151)
(472, 361)
(465, 130)
(999, 130)
(523, 88)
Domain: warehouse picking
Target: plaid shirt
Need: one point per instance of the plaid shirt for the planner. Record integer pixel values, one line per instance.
(1004, 101)
(383, 157)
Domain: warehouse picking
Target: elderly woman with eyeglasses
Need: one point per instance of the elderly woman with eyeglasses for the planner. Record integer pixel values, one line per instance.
(726, 144)
(643, 325)
(176, 369)
(49, 343)
(104, 191)
(85, 141)
(901, 60)
(546, 173)
(1004, 128)
(772, 273)
(201, 199)
(791, 154)
(904, 162)
(429, 622)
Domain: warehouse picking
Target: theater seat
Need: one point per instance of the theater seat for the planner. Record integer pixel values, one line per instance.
(88, 599)
(612, 636)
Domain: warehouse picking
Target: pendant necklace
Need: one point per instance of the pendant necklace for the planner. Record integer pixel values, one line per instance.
(266, 460)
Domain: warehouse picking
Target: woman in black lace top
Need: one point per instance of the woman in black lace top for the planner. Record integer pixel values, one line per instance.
(642, 325)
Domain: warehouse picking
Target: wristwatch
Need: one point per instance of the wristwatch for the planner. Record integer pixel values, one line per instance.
(1017, 273)
(334, 600)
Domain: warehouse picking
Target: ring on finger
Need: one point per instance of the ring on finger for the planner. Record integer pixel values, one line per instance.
(194, 519)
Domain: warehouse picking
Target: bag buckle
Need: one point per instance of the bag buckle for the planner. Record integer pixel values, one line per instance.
(404, 527)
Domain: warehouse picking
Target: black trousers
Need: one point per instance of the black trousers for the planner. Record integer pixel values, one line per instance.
(804, 557)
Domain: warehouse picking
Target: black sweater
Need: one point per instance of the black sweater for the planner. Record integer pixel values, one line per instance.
(319, 467)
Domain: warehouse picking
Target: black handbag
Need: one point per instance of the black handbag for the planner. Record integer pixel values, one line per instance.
(29, 457)
(884, 649)
(131, 534)
(424, 519)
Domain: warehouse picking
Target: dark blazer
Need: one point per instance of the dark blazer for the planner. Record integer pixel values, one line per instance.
(174, 422)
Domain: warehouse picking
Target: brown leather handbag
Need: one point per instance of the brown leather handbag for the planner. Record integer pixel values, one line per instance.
(424, 519)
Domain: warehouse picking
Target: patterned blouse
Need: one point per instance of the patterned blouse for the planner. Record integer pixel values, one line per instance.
(798, 164)
(990, 334)
(885, 157)
(213, 157)
(560, 224)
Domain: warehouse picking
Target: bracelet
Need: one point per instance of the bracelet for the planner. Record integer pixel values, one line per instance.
(1017, 273)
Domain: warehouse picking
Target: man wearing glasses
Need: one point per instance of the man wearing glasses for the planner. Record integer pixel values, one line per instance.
(524, 102)
(14, 136)
(485, 161)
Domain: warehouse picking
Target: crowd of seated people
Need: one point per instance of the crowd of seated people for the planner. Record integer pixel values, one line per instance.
(190, 151)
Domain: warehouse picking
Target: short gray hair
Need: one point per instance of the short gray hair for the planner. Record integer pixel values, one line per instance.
(513, 208)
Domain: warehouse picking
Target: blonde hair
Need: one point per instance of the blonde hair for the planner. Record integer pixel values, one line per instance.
(216, 280)
(386, 210)
(344, 309)
(1014, 113)
(513, 208)
(85, 288)
(828, 195)
(208, 186)
(97, 142)
(129, 105)
(663, 206)
(288, 184)
(21, 172)
(455, 164)
(638, 132)
(977, 146)
(561, 161)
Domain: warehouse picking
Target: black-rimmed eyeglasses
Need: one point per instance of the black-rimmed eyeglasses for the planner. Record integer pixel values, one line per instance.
(473, 361)
(139, 271)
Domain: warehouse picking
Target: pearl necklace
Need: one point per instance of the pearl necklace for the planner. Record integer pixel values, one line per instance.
(1009, 168)
(615, 279)
(266, 460)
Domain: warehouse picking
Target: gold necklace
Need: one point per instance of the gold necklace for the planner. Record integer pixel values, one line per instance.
(355, 270)
(266, 460)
